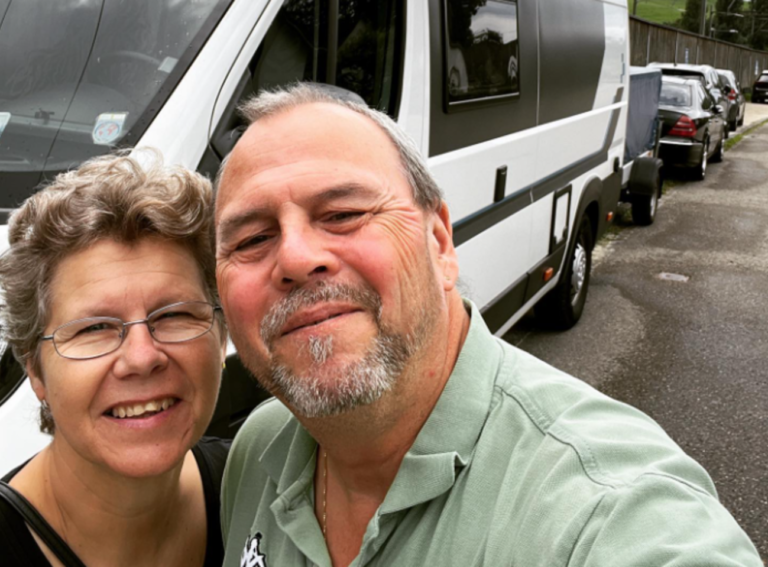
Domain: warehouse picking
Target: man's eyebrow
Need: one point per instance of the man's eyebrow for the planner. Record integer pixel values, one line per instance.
(231, 225)
(342, 191)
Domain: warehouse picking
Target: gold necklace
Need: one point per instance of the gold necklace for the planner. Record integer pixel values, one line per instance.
(325, 494)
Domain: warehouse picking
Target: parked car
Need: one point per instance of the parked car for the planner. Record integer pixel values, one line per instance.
(734, 94)
(708, 77)
(693, 125)
(760, 88)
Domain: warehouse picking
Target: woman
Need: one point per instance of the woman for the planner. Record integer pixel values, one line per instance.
(111, 306)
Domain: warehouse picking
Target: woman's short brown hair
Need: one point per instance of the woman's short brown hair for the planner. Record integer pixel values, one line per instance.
(116, 197)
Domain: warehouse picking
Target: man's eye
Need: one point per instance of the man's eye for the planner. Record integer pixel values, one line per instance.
(344, 216)
(252, 242)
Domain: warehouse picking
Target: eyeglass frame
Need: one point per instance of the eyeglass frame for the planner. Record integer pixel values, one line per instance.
(126, 324)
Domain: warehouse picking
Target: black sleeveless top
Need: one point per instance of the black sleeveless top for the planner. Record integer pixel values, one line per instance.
(19, 548)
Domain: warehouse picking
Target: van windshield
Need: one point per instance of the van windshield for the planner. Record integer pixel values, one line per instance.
(78, 77)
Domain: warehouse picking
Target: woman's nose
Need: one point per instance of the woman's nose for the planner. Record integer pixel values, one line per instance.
(139, 354)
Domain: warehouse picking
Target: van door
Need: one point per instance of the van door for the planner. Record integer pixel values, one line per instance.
(483, 105)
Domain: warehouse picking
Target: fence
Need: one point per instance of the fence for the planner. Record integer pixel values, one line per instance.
(655, 42)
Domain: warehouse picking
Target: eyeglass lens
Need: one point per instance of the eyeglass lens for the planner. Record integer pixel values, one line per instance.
(96, 336)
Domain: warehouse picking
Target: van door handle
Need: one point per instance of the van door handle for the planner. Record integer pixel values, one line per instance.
(500, 189)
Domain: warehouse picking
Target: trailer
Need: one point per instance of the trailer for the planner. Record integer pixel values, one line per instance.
(642, 175)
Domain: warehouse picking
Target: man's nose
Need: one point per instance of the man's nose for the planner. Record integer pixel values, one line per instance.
(303, 255)
(139, 354)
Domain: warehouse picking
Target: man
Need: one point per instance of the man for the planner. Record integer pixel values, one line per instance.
(403, 432)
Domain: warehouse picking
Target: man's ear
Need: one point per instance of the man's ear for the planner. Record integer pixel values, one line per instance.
(36, 381)
(446, 259)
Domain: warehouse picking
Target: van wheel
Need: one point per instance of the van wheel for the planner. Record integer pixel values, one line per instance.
(561, 308)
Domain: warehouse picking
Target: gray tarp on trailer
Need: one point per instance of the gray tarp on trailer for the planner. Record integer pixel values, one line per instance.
(644, 93)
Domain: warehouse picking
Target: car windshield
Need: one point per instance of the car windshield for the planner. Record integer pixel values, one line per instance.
(78, 77)
(763, 78)
(675, 95)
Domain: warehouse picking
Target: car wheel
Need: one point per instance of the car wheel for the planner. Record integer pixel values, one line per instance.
(562, 307)
(719, 152)
(733, 125)
(700, 172)
(740, 121)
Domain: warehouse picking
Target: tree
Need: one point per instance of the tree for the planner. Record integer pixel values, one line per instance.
(757, 23)
(691, 18)
(726, 18)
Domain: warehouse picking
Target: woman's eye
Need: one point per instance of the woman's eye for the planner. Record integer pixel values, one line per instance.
(95, 328)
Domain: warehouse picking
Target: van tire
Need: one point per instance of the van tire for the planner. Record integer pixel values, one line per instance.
(561, 308)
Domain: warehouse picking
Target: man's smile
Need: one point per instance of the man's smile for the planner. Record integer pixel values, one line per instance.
(315, 316)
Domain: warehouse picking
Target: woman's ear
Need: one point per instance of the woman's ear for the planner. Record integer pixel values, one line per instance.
(38, 386)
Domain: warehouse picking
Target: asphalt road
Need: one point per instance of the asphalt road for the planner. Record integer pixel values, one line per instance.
(692, 354)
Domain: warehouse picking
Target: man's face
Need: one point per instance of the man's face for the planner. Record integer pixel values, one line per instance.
(329, 273)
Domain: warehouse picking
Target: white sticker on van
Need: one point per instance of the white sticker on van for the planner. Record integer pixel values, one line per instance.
(168, 64)
(108, 128)
(5, 118)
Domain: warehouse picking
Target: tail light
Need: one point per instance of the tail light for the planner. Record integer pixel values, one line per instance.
(732, 95)
(684, 127)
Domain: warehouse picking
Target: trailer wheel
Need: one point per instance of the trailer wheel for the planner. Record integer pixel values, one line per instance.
(561, 308)
(644, 209)
(644, 187)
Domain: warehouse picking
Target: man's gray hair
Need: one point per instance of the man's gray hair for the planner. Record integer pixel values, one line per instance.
(426, 193)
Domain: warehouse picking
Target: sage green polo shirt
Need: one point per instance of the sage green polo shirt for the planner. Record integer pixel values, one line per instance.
(518, 464)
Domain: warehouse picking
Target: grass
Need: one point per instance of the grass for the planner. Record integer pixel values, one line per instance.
(659, 11)
(730, 142)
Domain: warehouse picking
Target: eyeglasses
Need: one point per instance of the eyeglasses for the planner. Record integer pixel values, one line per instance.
(96, 336)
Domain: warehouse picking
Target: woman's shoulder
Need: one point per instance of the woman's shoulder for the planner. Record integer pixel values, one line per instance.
(17, 546)
(211, 456)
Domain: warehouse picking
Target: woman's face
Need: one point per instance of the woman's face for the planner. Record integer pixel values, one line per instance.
(129, 282)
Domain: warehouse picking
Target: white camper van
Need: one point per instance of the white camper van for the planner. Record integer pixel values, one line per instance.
(520, 106)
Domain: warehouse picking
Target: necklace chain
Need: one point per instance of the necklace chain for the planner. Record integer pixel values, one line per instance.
(325, 494)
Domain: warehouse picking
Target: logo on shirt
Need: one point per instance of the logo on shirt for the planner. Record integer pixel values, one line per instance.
(251, 556)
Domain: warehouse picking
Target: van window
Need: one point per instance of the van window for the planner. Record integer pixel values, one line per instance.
(482, 56)
(363, 59)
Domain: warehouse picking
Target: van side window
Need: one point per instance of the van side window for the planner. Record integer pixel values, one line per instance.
(364, 57)
(482, 56)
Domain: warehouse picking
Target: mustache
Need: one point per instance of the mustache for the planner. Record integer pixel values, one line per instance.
(362, 295)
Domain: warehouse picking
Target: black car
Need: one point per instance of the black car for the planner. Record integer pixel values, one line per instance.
(738, 102)
(760, 88)
(708, 77)
(693, 125)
